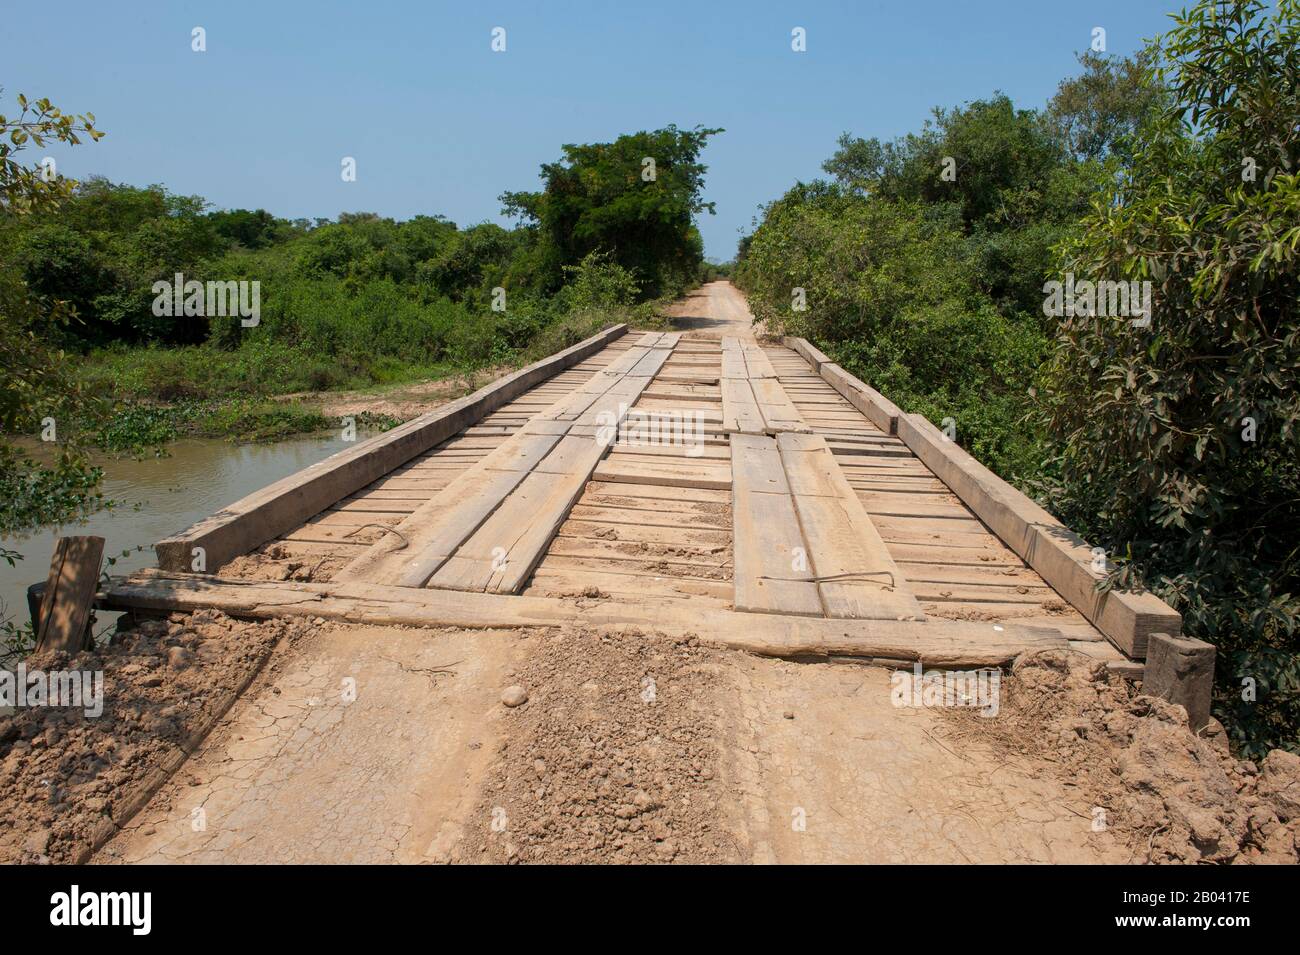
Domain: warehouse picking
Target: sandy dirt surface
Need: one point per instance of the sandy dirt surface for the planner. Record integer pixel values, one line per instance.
(624, 747)
(828, 769)
(712, 311)
(402, 402)
(362, 745)
(69, 776)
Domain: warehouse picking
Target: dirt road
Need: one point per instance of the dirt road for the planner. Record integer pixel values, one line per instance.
(713, 311)
(360, 744)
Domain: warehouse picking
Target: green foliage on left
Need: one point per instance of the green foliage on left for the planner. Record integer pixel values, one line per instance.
(39, 384)
(357, 302)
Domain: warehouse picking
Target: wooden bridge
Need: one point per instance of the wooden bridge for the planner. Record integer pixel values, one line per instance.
(750, 492)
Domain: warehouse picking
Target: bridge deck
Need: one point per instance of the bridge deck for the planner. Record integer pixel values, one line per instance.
(664, 520)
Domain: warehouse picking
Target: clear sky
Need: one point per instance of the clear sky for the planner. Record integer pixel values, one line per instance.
(439, 123)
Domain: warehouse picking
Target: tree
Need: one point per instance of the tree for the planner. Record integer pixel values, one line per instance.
(1102, 109)
(635, 198)
(1014, 186)
(38, 384)
(1178, 440)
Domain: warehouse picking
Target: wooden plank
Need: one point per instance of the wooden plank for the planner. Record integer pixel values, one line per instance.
(443, 542)
(779, 412)
(611, 553)
(936, 643)
(842, 540)
(428, 538)
(658, 491)
(641, 517)
(521, 453)
(69, 594)
(756, 465)
(280, 506)
(626, 469)
(499, 556)
(757, 364)
(640, 445)
(740, 414)
(733, 360)
(1061, 557)
(693, 538)
(684, 511)
(575, 580)
(650, 364)
(503, 550)
(770, 573)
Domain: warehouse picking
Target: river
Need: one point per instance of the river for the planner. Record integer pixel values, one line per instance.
(157, 497)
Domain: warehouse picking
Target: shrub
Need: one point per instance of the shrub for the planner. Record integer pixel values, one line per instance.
(1178, 441)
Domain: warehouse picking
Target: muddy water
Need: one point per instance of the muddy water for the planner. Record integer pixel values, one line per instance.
(157, 497)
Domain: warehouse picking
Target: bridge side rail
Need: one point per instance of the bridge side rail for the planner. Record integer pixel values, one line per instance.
(1061, 557)
(279, 507)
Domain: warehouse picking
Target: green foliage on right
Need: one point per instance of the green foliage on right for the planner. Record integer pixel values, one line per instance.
(931, 289)
(1179, 441)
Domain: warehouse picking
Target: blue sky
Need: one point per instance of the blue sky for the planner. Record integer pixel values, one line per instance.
(438, 123)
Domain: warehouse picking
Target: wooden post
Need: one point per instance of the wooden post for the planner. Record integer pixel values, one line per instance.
(1181, 670)
(69, 593)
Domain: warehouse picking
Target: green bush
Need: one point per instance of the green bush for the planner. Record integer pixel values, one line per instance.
(1178, 440)
(891, 291)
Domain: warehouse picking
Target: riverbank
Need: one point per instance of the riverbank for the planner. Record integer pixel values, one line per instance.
(269, 389)
(154, 497)
(266, 392)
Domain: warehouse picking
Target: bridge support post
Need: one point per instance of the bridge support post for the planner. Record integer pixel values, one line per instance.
(1181, 670)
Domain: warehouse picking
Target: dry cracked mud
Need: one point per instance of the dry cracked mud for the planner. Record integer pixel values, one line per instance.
(384, 744)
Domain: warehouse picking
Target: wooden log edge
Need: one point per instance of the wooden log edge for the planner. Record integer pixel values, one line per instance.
(879, 410)
(1061, 557)
(936, 643)
(281, 506)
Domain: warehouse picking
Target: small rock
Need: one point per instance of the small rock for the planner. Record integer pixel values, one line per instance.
(38, 842)
(514, 696)
(178, 658)
(1279, 783)
(788, 714)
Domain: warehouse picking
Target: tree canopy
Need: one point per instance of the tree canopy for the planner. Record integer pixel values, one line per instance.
(635, 199)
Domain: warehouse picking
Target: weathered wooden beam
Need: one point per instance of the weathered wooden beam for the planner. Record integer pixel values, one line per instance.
(807, 351)
(937, 643)
(1181, 670)
(69, 594)
(1060, 556)
(279, 507)
(879, 410)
